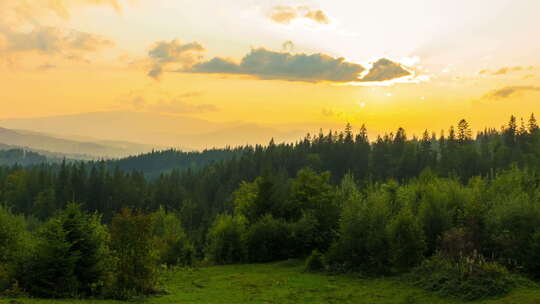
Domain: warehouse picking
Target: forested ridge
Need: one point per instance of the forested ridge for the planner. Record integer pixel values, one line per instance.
(392, 205)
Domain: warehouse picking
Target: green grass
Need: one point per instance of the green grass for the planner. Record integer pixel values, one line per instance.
(285, 282)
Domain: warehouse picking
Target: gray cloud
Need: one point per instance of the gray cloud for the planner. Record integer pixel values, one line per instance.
(266, 64)
(164, 53)
(22, 29)
(385, 69)
(286, 14)
(510, 91)
(51, 41)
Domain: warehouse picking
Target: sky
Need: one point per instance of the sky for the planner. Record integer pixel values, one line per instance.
(287, 64)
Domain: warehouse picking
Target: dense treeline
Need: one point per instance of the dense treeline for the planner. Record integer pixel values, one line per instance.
(464, 208)
(157, 162)
(204, 192)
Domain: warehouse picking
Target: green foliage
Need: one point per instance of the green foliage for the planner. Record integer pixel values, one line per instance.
(132, 242)
(406, 240)
(15, 244)
(171, 241)
(315, 262)
(363, 241)
(513, 222)
(71, 257)
(312, 193)
(468, 278)
(268, 240)
(225, 240)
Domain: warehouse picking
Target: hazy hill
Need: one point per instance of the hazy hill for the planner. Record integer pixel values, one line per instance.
(21, 157)
(75, 149)
(150, 128)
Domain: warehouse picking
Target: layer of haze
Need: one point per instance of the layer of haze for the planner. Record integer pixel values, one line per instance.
(210, 73)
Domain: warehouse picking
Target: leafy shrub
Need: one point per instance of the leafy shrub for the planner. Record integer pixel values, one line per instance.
(363, 242)
(406, 239)
(268, 240)
(15, 243)
(171, 241)
(468, 278)
(315, 262)
(225, 240)
(71, 257)
(133, 244)
(511, 223)
(303, 235)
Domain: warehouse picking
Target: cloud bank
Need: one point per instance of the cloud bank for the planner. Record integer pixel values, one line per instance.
(21, 28)
(262, 63)
(266, 64)
(286, 14)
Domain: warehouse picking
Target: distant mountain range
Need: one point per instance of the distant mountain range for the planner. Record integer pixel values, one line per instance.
(56, 147)
(115, 133)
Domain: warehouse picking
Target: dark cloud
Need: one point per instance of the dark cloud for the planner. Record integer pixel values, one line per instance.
(510, 91)
(266, 64)
(286, 14)
(164, 53)
(385, 69)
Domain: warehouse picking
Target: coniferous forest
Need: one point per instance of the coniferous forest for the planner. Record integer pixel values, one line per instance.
(456, 212)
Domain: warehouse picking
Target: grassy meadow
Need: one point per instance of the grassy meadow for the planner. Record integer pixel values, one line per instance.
(286, 282)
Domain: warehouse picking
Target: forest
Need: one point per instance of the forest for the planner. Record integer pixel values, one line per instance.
(457, 212)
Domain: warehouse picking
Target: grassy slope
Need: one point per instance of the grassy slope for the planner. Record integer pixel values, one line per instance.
(285, 283)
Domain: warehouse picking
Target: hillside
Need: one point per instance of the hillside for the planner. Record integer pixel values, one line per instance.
(156, 162)
(72, 148)
(159, 130)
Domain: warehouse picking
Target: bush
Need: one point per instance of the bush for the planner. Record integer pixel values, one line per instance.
(268, 240)
(468, 278)
(71, 258)
(15, 243)
(171, 241)
(363, 242)
(406, 239)
(512, 224)
(225, 240)
(303, 235)
(315, 262)
(133, 244)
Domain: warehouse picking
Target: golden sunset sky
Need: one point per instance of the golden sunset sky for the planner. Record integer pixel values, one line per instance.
(388, 63)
